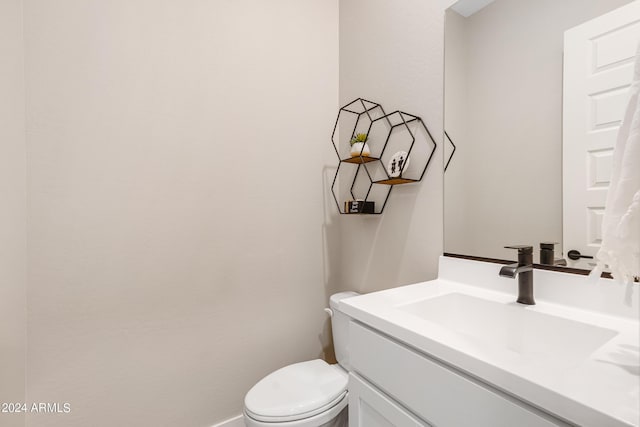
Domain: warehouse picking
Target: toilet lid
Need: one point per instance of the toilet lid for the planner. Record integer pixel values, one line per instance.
(296, 391)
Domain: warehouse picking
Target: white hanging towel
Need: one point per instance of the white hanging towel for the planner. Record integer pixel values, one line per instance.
(620, 248)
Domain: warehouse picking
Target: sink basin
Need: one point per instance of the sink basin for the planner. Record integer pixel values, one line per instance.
(575, 355)
(512, 327)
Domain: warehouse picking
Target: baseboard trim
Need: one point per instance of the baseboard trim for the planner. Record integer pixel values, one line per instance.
(232, 422)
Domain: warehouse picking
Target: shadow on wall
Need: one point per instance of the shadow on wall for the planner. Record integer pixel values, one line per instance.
(383, 251)
(373, 253)
(381, 244)
(331, 259)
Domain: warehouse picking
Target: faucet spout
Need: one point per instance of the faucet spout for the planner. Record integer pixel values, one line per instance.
(512, 270)
(523, 269)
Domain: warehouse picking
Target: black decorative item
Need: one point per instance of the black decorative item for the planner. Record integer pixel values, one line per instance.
(370, 180)
(359, 206)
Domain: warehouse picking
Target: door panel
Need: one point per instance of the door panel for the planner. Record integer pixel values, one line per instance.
(598, 69)
(368, 407)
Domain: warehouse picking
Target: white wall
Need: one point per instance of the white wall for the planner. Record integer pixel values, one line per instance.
(12, 210)
(392, 53)
(162, 285)
(504, 185)
(177, 226)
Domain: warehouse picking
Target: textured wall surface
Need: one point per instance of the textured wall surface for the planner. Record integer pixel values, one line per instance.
(12, 210)
(176, 152)
(182, 237)
(395, 59)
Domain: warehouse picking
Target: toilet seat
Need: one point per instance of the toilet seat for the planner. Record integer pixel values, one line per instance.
(301, 416)
(297, 392)
(332, 417)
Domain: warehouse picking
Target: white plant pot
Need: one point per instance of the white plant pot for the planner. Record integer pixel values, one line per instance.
(360, 149)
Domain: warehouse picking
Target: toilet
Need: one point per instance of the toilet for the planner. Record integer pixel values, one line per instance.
(306, 394)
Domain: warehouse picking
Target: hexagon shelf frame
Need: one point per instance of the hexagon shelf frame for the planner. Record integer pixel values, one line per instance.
(368, 114)
(363, 113)
(453, 150)
(399, 120)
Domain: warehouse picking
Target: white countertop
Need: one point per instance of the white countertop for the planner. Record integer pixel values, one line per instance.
(600, 389)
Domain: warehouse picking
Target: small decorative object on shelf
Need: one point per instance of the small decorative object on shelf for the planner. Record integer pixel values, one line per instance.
(397, 164)
(359, 146)
(359, 206)
(367, 169)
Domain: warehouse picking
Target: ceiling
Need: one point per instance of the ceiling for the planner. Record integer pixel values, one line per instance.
(467, 8)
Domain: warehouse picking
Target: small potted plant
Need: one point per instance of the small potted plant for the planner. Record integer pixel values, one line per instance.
(359, 146)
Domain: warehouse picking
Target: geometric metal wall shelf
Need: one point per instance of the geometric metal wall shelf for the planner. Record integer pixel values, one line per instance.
(453, 151)
(370, 178)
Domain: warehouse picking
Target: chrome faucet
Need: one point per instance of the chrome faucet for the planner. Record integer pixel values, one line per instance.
(524, 270)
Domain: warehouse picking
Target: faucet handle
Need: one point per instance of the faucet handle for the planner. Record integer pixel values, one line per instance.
(522, 249)
(548, 245)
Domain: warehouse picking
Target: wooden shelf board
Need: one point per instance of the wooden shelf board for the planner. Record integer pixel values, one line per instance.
(395, 181)
(360, 160)
(360, 213)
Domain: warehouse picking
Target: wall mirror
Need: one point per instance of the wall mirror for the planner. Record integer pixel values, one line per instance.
(535, 91)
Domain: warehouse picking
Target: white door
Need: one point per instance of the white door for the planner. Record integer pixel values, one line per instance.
(598, 68)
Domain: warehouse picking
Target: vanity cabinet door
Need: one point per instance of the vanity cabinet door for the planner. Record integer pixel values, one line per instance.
(368, 407)
(433, 391)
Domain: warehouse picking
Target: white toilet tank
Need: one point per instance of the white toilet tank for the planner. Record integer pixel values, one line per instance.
(340, 327)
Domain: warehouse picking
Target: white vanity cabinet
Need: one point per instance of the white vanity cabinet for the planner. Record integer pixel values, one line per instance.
(391, 382)
(369, 407)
